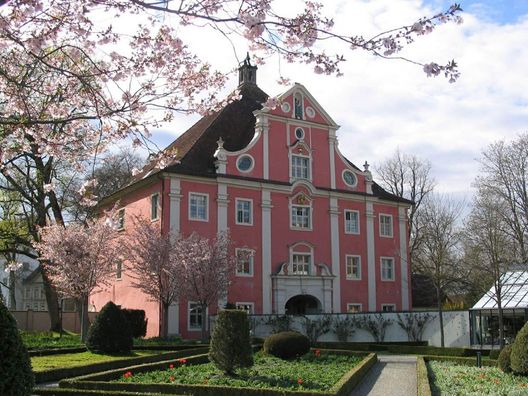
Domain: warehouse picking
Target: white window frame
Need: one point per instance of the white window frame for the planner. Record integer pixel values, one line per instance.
(241, 305)
(392, 306)
(347, 230)
(121, 219)
(381, 226)
(203, 195)
(189, 328)
(355, 305)
(251, 262)
(157, 214)
(383, 278)
(308, 167)
(349, 276)
(252, 163)
(239, 200)
(300, 227)
(294, 265)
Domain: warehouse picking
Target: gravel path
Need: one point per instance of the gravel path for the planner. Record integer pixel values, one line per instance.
(393, 375)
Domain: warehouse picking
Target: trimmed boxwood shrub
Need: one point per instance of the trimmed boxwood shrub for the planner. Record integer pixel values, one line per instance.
(504, 362)
(519, 352)
(137, 321)
(16, 377)
(110, 331)
(287, 345)
(231, 342)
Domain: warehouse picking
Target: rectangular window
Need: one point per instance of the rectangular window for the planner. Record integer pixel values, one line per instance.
(387, 269)
(198, 207)
(351, 222)
(301, 264)
(154, 207)
(353, 308)
(244, 262)
(121, 219)
(385, 225)
(388, 307)
(300, 217)
(244, 211)
(353, 267)
(195, 316)
(119, 270)
(244, 306)
(300, 167)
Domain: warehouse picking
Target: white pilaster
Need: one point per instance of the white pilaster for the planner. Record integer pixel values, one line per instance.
(266, 251)
(222, 203)
(403, 258)
(334, 241)
(371, 258)
(175, 197)
(331, 147)
(262, 123)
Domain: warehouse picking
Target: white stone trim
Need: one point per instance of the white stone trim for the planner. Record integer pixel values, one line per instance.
(336, 262)
(175, 203)
(266, 252)
(356, 304)
(331, 146)
(348, 277)
(380, 215)
(222, 202)
(371, 257)
(345, 221)
(344, 181)
(393, 269)
(252, 163)
(403, 258)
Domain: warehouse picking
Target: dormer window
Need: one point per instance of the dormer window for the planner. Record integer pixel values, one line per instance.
(298, 106)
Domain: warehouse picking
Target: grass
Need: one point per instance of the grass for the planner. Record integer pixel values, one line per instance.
(47, 340)
(157, 341)
(310, 372)
(42, 363)
(451, 379)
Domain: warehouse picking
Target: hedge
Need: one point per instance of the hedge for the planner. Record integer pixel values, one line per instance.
(66, 372)
(75, 392)
(416, 348)
(466, 361)
(422, 378)
(97, 381)
(56, 351)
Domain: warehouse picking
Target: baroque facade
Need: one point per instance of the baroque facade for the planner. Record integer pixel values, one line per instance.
(324, 236)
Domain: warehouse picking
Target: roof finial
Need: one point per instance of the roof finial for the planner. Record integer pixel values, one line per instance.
(220, 142)
(366, 166)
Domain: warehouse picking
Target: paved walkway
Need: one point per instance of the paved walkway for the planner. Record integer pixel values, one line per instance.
(392, 375)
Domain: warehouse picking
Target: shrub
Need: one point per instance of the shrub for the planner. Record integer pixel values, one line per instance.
(519, 352)
(287, 345)
(376, 325)
(504, 362)
(137, 321)
(16, 377)
(343, 328)
(110, 331)
(231, 344)
(494, 353)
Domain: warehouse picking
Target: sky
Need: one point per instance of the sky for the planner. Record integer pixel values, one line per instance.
(385, 105)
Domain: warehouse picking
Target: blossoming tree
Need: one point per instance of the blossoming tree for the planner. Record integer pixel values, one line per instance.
(80, 257)
(154, 266)
(205, 269)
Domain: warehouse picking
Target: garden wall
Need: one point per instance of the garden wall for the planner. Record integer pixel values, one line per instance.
(456, 327)
(39, 320)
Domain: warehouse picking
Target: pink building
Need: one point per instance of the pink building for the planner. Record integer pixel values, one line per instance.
(325, 236)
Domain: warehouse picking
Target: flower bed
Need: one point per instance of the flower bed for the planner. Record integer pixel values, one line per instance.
(308, 372)
(447, 378)
(320, 372)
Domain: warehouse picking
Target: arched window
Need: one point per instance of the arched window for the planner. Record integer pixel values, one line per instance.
(298, 106)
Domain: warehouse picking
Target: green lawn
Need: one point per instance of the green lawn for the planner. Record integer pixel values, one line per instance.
(47, 340)
(317, 373)
(41, 363)
(452, 379)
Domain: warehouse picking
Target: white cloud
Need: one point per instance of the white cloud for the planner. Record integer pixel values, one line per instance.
(385, 104)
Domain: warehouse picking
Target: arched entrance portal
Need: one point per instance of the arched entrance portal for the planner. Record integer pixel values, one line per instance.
(303, 304)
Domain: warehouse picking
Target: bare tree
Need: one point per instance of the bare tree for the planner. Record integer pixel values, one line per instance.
(504, 179)
(438, 255)
(488, 249)
(408, 176)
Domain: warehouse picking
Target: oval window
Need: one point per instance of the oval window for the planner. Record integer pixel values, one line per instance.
(299, 133)
(244, 163)
(349, 178)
